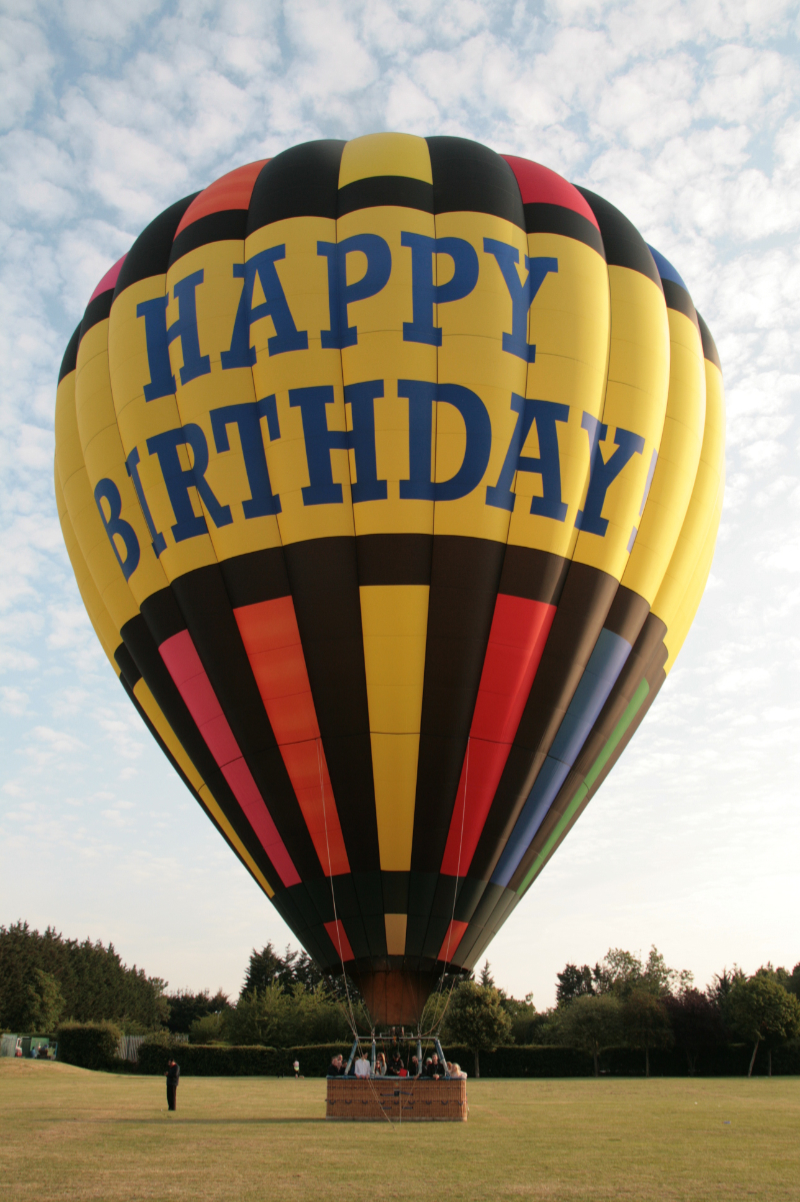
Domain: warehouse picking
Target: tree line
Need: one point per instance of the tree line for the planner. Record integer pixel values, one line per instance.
(46, 979)
(286, 1001)
(624, 1001)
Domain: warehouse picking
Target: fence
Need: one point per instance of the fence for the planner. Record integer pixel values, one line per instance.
(8, 1047)
(129, 1046)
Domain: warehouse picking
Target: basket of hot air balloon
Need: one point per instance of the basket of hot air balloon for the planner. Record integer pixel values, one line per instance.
(390, 472)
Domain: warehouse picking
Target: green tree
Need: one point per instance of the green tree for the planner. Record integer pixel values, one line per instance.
(45, 1003)
(476, 1017)
(696, 1024)
(620, 972)
(525, 1020)
(317, 1016)
(260, 1017)
(789, 980)
(574, 982)
(186, 1008)
(94, 983)
(278, 1017)
(759, 1008)
(590, 1024)
(722, 984)
(646, 1023)
(210, 1028)
(293, 968)
(435, 1008)
(793, 984)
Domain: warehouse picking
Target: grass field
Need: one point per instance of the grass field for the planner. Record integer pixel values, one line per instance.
(71, 1134)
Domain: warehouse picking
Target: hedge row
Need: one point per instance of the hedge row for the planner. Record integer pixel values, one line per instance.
(89, 1045)
(222, 1061)
(95, 1046)
(198, 1060)
(730, 1060)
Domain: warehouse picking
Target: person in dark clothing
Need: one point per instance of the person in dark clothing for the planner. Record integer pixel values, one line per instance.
(336, 1067)
(395, 1064)
(433, 1069)
(173, 1077)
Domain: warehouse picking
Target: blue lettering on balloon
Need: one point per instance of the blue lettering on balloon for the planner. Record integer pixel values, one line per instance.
(341, 294)
(247, 418)
(425, 294)
(545, 414)
(162, 381)
(320, 441)
(158, 337)
(185, 328)
(179, 480)
(522, 294)
(159, 543)
(287, 337)
(421, 395)
(361, 399)
(602, 473)
(106, 490)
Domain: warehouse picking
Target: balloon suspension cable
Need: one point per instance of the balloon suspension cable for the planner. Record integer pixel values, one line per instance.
(351, 1016)
(438, 1022)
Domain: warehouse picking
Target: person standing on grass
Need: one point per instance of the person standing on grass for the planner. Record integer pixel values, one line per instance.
(173, 1077)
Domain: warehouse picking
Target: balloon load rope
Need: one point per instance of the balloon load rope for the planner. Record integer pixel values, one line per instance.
(434, 1036)
(351, 1016)
(446, 959)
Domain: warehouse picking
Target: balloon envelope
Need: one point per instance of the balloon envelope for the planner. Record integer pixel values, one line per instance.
(390, 472)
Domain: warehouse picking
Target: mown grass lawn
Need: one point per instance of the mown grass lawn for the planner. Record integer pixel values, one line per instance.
(70, 1134)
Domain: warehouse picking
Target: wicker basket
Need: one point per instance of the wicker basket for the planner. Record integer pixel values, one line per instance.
(396, 1098)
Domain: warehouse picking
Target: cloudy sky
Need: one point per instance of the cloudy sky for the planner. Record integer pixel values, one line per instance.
(685, 116)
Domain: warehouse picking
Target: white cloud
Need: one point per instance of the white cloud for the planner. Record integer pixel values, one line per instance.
(13, 701)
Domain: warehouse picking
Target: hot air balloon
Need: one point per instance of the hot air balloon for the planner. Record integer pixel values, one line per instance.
(390, 471)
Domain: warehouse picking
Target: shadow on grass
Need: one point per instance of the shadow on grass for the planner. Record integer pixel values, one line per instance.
(183, 1120)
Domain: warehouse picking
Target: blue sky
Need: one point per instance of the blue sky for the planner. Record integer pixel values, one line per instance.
(684, 115)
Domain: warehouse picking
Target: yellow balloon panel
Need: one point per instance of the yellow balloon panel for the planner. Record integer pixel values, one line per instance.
(140, 421)
(104, 460)
(385, 154)
(104, 628)
(700, 510)
(103, 547)
(633, 417)
(570, 327)
(676, 468)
